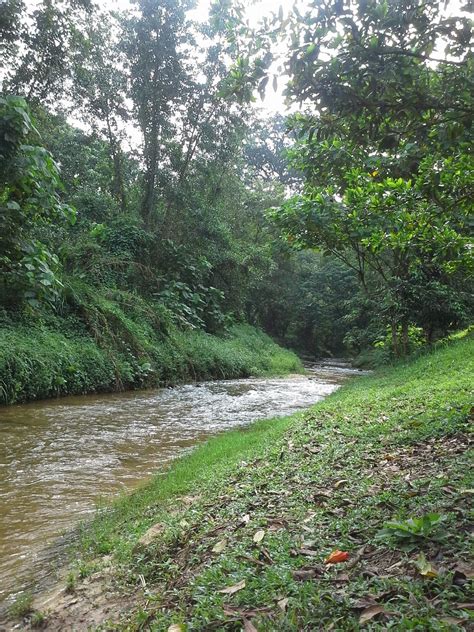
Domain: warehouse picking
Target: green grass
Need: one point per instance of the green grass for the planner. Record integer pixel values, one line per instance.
(387, 448)
(117, 529)
(60, 356)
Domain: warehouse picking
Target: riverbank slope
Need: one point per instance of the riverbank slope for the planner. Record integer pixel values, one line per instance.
(123, 350)
(237, 533)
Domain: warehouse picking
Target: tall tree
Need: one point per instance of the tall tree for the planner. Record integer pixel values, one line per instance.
(384, 145)
(100, 91)
(49, 38)
(153, 41)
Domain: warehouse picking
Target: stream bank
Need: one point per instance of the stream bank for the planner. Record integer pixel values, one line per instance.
(243, 525)
(61, 457)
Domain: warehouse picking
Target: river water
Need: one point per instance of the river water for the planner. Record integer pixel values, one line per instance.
(59, 458)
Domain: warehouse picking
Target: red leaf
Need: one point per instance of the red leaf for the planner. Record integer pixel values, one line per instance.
(337, 556)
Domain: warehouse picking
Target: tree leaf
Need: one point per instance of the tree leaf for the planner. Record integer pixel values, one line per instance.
(219, 546)
(283, 604)
(258, 537)
(424, 567)
(230, 590)
(369, 613)
(249, 626)
(336, 557)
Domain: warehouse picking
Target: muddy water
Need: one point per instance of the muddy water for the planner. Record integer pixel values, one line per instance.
(59, 458)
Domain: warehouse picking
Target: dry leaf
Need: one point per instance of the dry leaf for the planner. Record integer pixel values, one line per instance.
(453, 620)
(245, 519)
(340, 483)
(230, 590)
(307, 573)
(336, 557)
(176, 627)
(424, 567)
(465, 569)
(369, 613)
(320, 493)
(283, 603)
(249, 626)
(152, 533)
(258, 537)
(219, 546)
(184, 524)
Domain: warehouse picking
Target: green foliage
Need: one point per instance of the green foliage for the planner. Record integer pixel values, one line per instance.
(408, 534)
(29, 200)
(118, 341)
(327, 470)
(386, 158)
(22, 605)
(173, 240)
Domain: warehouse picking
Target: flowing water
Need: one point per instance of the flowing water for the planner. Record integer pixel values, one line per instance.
(58, 458)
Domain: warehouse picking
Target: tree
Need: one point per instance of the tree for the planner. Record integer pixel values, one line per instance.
(48, 39)
(384, 146)
(152, 41)
(100, 90)
(10, 12)
(29, 200)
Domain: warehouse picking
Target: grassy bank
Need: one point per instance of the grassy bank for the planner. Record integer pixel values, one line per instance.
(243, 525)
(60, 356)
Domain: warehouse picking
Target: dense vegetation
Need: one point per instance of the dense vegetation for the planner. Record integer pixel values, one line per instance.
(235, 535)
(143, 199)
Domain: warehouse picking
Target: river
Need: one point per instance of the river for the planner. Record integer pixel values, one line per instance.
(60, 458)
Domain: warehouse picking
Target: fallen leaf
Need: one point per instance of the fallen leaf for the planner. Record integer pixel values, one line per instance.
(452, 620)
(340, 483)
(306, 573)
(152, 533)
(364, 603)
(336, 557)
(464, 569)
(369, 613)
(308, 552)
(341, 578)
(258, 537)
(176, 627)
(230, 590)
(184, 523)
(219, 546)
(249, 626)
(245, 519)
(424, 567)
(283, 603)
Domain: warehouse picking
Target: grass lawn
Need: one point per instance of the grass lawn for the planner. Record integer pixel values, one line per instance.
(242, 527)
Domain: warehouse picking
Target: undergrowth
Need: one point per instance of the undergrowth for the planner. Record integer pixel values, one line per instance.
(115, 340)
(243, 525)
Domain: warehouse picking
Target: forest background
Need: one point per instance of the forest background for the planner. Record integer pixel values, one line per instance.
(344, 228)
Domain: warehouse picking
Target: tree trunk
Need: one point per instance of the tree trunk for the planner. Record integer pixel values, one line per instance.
(151, 168)
(118, 186)
(395, 345)
(405, 339)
